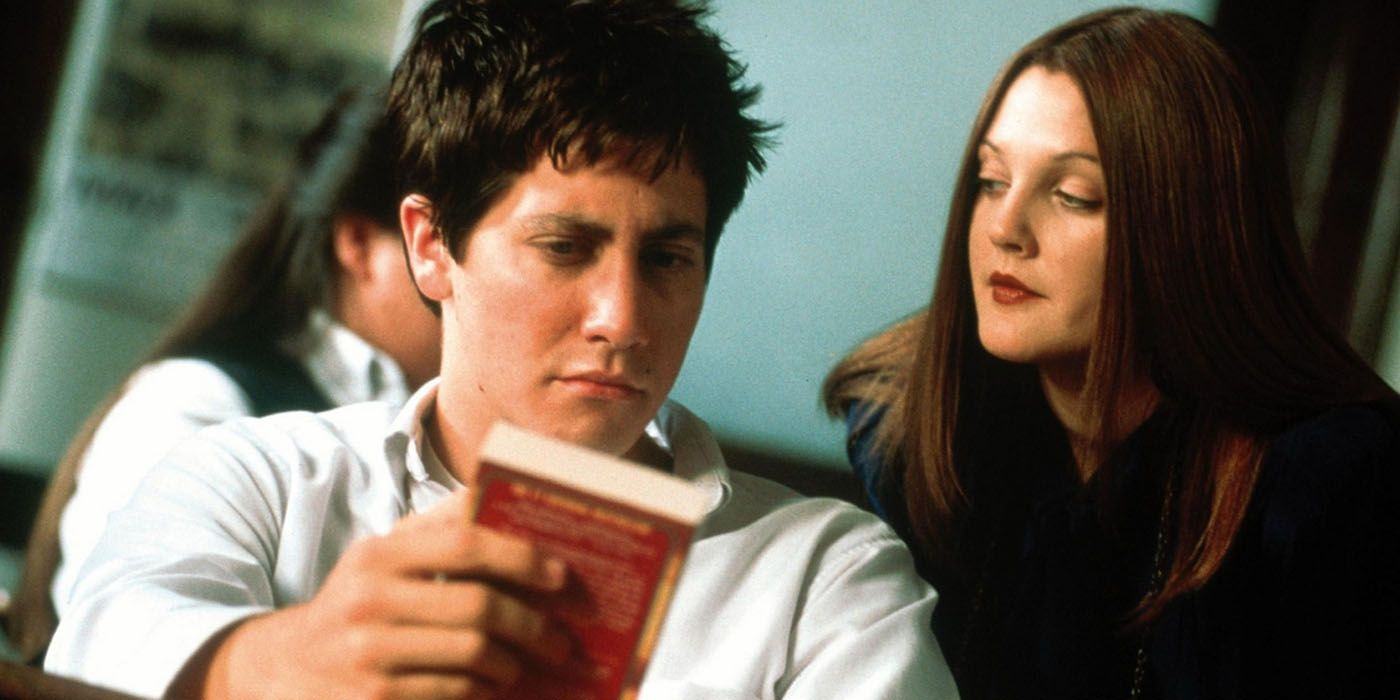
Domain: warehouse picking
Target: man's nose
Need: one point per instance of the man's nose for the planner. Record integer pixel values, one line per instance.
(615, 299)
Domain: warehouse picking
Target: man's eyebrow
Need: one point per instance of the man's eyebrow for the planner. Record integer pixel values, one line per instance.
(579, 225)
(679, 230)
(567, 223)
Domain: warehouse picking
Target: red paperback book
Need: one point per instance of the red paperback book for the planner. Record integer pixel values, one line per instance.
(624, 530)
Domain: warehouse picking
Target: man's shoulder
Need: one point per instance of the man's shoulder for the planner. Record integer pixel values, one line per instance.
(759, 505)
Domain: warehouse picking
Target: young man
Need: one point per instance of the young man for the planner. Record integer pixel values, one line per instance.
(569, 166)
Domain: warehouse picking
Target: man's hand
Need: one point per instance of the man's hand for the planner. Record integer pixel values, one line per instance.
(433, 609)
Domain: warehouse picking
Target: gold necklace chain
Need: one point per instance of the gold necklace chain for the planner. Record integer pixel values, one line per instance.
(1154, 586)
(960, 664)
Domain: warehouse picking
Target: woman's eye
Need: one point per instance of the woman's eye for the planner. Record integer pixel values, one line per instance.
(1074, 202)
(990, 185)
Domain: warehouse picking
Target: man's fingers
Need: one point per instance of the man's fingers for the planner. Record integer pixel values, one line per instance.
(482, 552)
(468, 604)
(433, 686)
(398, 650)
(462, 550)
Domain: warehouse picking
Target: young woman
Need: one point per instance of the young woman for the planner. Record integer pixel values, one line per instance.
(312, 308)
(1129, 452)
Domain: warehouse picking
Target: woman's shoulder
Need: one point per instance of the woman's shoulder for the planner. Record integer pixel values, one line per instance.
(184, 385)
(884, 494)
(1337, 441)
(1376, 419)
(161, 404)
(862, 423)
(1339, 466)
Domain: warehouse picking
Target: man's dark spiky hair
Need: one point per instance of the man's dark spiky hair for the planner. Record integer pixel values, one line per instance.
(487, 87)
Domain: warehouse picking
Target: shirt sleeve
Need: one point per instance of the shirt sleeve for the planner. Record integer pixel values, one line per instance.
(161, 405)
(191, 553)
(863, 627)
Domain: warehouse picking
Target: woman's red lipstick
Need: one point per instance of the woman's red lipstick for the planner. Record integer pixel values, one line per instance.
(1009, 290)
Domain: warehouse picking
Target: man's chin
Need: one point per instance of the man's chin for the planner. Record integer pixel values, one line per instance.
(610, 435)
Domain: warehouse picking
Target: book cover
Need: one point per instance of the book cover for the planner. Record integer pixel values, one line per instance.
(623, 529)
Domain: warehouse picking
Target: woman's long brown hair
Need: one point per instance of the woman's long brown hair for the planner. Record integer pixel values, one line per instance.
(281, 268)
(1204, 295)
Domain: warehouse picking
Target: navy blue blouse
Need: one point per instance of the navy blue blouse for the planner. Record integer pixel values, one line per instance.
(1306, 604)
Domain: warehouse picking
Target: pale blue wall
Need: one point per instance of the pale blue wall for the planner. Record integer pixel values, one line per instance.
(837, 239)
(840, 236)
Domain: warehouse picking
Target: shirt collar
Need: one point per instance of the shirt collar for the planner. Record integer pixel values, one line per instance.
(403, 446)
(695, 454)
(345, 366)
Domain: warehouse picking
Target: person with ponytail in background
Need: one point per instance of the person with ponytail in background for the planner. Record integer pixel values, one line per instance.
(312, 308)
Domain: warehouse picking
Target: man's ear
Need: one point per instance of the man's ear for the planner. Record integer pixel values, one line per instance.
(428, 257)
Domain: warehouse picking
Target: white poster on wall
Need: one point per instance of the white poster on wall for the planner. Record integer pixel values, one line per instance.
(174, 117)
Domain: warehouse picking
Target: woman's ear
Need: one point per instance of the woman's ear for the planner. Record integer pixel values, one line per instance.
(428, 257)
(351, 236)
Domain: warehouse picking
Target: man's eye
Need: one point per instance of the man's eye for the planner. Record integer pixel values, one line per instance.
(562, 249)
(667, 259)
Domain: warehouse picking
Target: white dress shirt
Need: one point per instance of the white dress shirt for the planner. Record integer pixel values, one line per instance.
(781, 597)
(167, 401)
